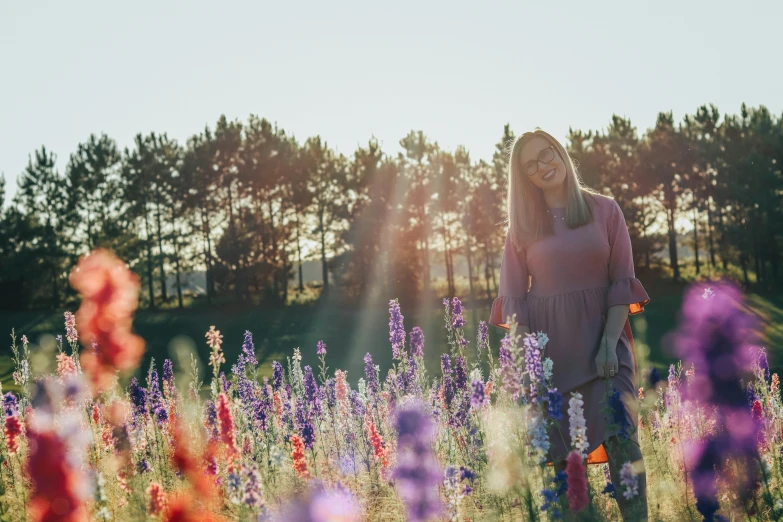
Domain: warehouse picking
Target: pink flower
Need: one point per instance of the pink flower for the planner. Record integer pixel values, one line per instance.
(65, 365)
(577, 482)
(157, 499)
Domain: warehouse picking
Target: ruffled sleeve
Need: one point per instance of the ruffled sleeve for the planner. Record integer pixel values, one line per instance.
(625, 289)
(512, 291)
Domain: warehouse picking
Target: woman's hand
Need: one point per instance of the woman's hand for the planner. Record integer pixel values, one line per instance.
(606, 360)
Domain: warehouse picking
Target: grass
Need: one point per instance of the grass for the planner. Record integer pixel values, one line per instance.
(350, 332)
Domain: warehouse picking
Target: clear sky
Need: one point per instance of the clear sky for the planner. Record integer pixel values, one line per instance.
(348, 69)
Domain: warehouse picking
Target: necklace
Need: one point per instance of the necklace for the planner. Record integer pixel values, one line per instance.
(562, 218)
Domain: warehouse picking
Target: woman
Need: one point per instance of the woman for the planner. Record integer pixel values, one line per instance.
(574, 243)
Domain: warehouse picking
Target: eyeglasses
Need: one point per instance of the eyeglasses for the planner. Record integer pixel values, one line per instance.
(545, 156)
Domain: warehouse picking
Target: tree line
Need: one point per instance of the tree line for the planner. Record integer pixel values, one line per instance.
(239, 200)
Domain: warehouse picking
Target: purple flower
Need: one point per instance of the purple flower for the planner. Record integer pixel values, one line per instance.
(356, 404)
(396, 328)
(417, 341)
(321, 505)
(154, 397)
(417, 473)
(210, 414)
(277, 375)
(310, 386)
(304, 424)
(511, 375)
(10, 403)
(247, 357)
(478, 399)
(717, 336)
(161, 414)
(457, 321)
(252, 495)
(138, 397)
(410, 383)
(142, 466)
(460, 417)
(224, 382)
(168, 371)
(321, 348)
(449, 389)
(460, 373)
(533, 366)
(555, 404)
(369, 374)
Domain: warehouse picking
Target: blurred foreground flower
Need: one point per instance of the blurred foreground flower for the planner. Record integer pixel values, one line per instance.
(322, 505)
(716, 334)
(417, 474)
(109, 292)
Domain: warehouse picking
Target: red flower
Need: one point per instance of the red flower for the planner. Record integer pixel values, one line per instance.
(298, 457)
(577, 482)
(109, 293)
(13, 428)
(54, 484)
(226, 424)
(757, 412)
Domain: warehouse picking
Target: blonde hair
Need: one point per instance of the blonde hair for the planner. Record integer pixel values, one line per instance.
(526, 217)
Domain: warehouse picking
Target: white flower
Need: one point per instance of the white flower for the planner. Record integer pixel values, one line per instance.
(709, 292)
(542, 340)
(629, 481)
(297, 355)
(548, 368)
(576, 423)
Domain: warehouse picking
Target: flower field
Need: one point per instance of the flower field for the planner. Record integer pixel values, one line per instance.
(82, 441)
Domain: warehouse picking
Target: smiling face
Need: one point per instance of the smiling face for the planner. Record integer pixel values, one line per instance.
(549, 175)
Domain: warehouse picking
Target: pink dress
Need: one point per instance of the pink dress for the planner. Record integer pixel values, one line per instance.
(577, 274)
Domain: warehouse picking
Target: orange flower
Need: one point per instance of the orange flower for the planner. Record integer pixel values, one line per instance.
(109, 293)
(298, 456)
(379, 451)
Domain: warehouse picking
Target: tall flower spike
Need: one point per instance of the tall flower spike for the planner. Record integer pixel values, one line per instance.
(417, 473)
(577, 482)
(576, 423)
(396, 328)
(298, 457)
(110, 294)
(417, 341)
